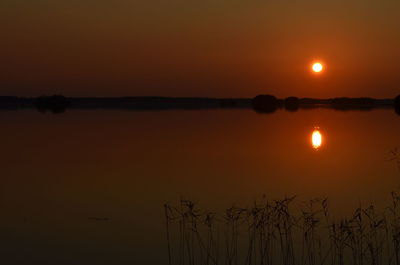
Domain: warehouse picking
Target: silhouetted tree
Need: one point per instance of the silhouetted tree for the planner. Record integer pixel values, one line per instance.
(265, 103)
(56, 103)
(292, 103)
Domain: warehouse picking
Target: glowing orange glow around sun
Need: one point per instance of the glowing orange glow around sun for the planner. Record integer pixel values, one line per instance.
(316, 139)
(317, 67)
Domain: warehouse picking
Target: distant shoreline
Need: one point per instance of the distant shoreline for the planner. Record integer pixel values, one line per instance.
(61, 103)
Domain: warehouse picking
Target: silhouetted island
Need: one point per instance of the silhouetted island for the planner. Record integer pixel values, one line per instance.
(260, 103)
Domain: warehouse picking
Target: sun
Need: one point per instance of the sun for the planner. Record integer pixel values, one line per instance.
(317, 67)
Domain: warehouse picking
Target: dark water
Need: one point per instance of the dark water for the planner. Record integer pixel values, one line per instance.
(88, 187)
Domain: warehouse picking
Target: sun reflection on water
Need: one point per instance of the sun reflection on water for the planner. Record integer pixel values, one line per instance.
(316, 139)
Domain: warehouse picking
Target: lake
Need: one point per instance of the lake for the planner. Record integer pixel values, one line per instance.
(88, 186)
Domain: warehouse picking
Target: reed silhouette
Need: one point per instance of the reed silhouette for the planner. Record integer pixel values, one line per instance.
(274, 232)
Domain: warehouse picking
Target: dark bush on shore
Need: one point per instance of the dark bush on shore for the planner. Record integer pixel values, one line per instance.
(397, 104)
(265, 103)
(292, 103)
(55, 104)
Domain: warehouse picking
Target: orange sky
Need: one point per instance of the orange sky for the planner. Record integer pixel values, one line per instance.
(199, 48)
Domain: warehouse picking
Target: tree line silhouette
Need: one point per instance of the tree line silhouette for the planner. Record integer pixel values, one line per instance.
(269, 103)
(260, 103)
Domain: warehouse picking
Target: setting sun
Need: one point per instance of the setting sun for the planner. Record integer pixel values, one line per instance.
(316, 139)
(317, 67)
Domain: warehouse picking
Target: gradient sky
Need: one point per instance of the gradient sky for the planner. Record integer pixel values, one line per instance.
(221, 48)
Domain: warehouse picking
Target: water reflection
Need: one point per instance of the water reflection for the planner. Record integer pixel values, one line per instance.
(154, 157)
(316, 139)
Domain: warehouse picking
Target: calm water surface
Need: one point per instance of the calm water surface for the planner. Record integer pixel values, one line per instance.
(88, 187)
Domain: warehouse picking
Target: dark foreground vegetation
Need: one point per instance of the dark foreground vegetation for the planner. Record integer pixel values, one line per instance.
(261, 103)
(283, 232)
